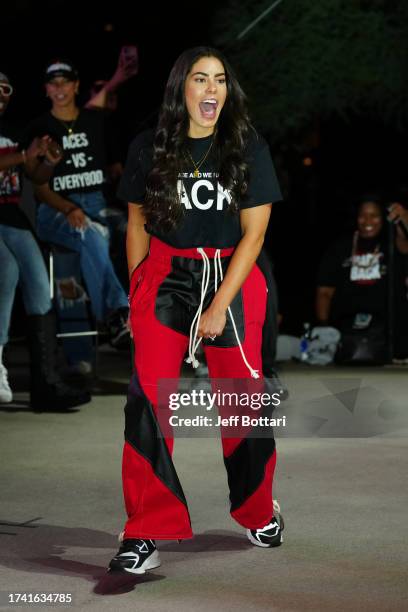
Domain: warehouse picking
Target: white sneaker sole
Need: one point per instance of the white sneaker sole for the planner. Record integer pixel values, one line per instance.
(256, 543)
(151, 563)
(277, 510)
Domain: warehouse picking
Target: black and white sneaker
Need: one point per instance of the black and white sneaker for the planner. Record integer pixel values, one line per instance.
(270, 535)
(135, 557)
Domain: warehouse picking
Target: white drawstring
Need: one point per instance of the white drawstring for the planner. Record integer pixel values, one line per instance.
(193, 342)
(216, 272)
(254, 373)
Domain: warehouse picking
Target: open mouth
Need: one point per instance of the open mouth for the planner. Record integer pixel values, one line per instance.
(208, 108)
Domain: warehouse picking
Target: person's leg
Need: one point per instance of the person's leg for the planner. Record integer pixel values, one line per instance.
(92, 243)
(116, 220)
(72, 310)
(270, 327)
(53, 228)
(250, 462)
(33, 276)
(154, 499)
(98, 271)
(95, 207)
(47, 391)
(8, 283)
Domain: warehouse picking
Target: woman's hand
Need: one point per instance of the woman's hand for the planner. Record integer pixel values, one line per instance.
(128, 64)
(53, 153)
(398, 213)
(212, 323)
(76, 218)
(37, 148)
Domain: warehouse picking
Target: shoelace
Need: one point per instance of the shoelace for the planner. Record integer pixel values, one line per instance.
(193, 341)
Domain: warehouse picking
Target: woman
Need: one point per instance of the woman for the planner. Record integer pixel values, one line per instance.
(21, 263)
(352, 290)
(200, 199)
(73, 212)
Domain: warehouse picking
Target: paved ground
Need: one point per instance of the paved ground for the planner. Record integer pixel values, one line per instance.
(341, 482)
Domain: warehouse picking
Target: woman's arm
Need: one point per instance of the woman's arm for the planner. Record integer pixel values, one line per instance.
(324, 298)
(126, 68)
(75, 215)
(399, 215)
(33, 159)
(11, 159)
(401, 241)
(28, 158)
(137, 239)
(39, 171)
(254, 222)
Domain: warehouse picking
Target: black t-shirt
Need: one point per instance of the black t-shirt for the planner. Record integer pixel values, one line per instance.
(360, 281)
(207, 220)
(11, 180)
(83, 167)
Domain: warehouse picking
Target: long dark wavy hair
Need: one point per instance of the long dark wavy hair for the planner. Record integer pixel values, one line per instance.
(162, 206)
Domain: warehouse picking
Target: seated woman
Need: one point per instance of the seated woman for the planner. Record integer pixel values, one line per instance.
(352, 290)
(21, 263)
(73, 208)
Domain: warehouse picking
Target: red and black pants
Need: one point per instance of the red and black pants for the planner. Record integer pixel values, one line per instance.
(165, 294)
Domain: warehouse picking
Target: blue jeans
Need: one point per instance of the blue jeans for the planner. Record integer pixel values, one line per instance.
(92, 244)
(21, 262)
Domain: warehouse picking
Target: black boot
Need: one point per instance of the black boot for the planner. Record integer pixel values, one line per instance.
(47, 391)
(276, 385)
(118, 329)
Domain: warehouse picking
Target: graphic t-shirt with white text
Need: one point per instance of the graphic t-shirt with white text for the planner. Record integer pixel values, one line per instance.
(10, 181)
(207, 219)
(82, 168)
(360, 280)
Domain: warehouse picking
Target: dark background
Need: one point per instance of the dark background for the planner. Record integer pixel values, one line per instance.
(324, 163)
(33, 33)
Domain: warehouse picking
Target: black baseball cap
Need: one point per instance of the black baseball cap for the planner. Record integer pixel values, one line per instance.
(61, 68)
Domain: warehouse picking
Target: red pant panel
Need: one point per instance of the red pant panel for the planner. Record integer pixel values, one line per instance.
(153, 510)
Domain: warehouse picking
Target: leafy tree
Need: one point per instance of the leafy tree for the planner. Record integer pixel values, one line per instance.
(308, 60)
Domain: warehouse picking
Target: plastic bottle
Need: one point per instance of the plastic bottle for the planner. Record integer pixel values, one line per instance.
(304, 342)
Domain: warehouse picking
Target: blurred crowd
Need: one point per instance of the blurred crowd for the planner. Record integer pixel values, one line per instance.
(361, 303)
(69, 161)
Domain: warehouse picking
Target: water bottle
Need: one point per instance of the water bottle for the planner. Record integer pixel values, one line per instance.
(304, 342)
